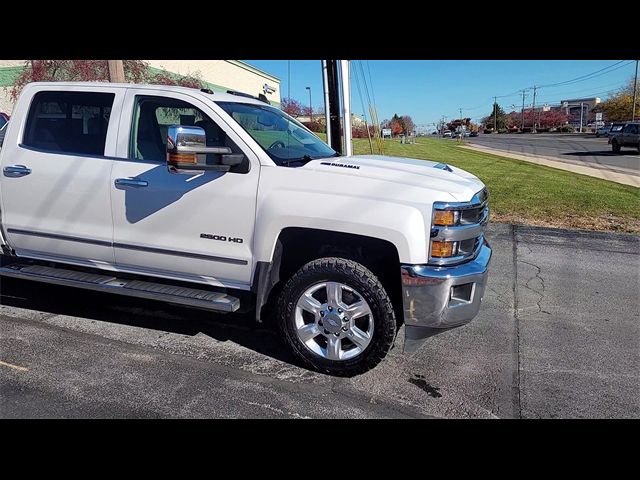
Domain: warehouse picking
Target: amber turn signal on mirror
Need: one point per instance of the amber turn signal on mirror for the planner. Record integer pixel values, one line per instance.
(182, 158)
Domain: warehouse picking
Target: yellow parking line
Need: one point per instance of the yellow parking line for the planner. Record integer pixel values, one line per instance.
(16, 367)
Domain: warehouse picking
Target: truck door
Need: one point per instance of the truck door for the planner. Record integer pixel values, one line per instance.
(56, 173)
(188, 226)
(629, 134)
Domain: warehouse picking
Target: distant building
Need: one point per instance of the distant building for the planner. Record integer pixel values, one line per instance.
(219, 76)
(573, 106)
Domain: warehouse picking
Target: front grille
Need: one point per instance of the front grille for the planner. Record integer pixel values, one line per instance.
(467, 234)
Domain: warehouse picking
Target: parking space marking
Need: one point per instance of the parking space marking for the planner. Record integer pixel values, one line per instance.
(15, 367)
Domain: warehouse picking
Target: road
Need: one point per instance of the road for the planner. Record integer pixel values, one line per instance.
(577, 149)
(558, 336)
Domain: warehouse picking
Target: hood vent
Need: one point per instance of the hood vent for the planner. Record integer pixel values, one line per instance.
(443, 166)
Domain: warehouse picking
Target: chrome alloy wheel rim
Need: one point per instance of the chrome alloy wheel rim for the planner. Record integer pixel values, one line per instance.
(333, 321)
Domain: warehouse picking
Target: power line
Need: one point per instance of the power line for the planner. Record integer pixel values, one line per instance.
(588, 76)
(373, 93)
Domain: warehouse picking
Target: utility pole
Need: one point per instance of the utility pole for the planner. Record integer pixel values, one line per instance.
(327, 105)
(533, 111)
(310, 105)
(345, 80)
(581, 112)
(635, 94)
(522, 127)
(495, 113)
(333, 98)
(116, 71)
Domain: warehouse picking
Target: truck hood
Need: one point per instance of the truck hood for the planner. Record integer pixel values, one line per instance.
(409, 171)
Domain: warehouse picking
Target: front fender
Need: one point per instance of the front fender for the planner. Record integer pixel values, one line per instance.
(400, 224)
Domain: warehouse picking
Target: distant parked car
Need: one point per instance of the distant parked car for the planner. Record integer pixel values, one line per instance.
(603, 131)
(446, 133)
(473, 134)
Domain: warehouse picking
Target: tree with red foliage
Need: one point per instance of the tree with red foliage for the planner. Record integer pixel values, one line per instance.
(553, 118)
(135, 71)
(293, 107)
(396, 125)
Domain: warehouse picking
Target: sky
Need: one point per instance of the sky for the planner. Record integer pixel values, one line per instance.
(429, 89)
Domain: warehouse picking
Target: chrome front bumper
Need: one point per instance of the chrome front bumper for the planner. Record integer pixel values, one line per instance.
(436, 299)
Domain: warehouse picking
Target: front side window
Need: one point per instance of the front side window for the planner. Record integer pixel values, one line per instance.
(152, 118)
(284, 139)
(69, 122)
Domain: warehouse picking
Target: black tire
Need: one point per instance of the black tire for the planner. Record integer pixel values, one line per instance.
(361, 279)
(615, 146)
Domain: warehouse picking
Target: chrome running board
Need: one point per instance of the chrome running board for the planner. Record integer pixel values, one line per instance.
(192, 297)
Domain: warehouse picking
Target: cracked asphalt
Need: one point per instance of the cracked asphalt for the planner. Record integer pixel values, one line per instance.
(558, 336)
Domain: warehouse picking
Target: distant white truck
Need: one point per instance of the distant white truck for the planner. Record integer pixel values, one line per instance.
(223, 202)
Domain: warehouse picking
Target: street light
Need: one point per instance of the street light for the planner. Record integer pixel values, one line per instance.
(310, 105)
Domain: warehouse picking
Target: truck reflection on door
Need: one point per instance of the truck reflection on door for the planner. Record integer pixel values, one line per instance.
(164, 188)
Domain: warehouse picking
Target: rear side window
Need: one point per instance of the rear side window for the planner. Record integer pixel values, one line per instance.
(69, 122)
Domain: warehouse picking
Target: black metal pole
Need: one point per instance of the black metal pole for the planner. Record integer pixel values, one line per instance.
(334, 105)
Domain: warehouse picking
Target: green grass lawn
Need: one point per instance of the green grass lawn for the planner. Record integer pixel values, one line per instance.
(522, 192)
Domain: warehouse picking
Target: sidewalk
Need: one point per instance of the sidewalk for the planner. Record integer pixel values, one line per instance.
(627, 179)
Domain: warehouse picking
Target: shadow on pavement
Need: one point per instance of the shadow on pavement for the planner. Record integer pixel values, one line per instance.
(239, 328)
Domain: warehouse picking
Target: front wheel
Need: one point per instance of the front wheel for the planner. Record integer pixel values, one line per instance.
(335, 315)
(615, 146)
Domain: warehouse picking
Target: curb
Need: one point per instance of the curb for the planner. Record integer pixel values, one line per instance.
(626, 179)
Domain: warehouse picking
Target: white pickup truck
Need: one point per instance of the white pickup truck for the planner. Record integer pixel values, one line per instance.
(223, 202)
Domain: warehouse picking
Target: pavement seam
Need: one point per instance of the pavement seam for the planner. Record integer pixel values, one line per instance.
(516, 374)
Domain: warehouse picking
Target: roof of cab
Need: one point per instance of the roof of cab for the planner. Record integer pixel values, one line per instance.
(218, 97)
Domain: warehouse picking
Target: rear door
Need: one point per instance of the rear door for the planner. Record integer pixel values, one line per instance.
(56, 173)
(630, 135)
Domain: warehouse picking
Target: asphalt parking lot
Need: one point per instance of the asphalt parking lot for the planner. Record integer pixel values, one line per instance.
(558, 336)
(571, 148)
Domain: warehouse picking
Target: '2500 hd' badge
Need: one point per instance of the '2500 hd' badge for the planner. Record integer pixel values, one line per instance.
(222, 238)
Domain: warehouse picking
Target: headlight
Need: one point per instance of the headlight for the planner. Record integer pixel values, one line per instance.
(457, 229)
(445, 218)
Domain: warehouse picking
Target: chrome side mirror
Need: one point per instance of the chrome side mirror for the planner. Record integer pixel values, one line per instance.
(185, 143)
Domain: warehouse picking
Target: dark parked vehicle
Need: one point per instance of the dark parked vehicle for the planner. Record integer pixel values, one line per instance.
(4, 119)
(473, 134)
(628, 136)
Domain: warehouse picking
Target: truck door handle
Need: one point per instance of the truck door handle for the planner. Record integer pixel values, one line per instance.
(131, 182)
(16, 171)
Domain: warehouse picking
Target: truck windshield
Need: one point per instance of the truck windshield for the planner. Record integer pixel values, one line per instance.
(283, 138)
